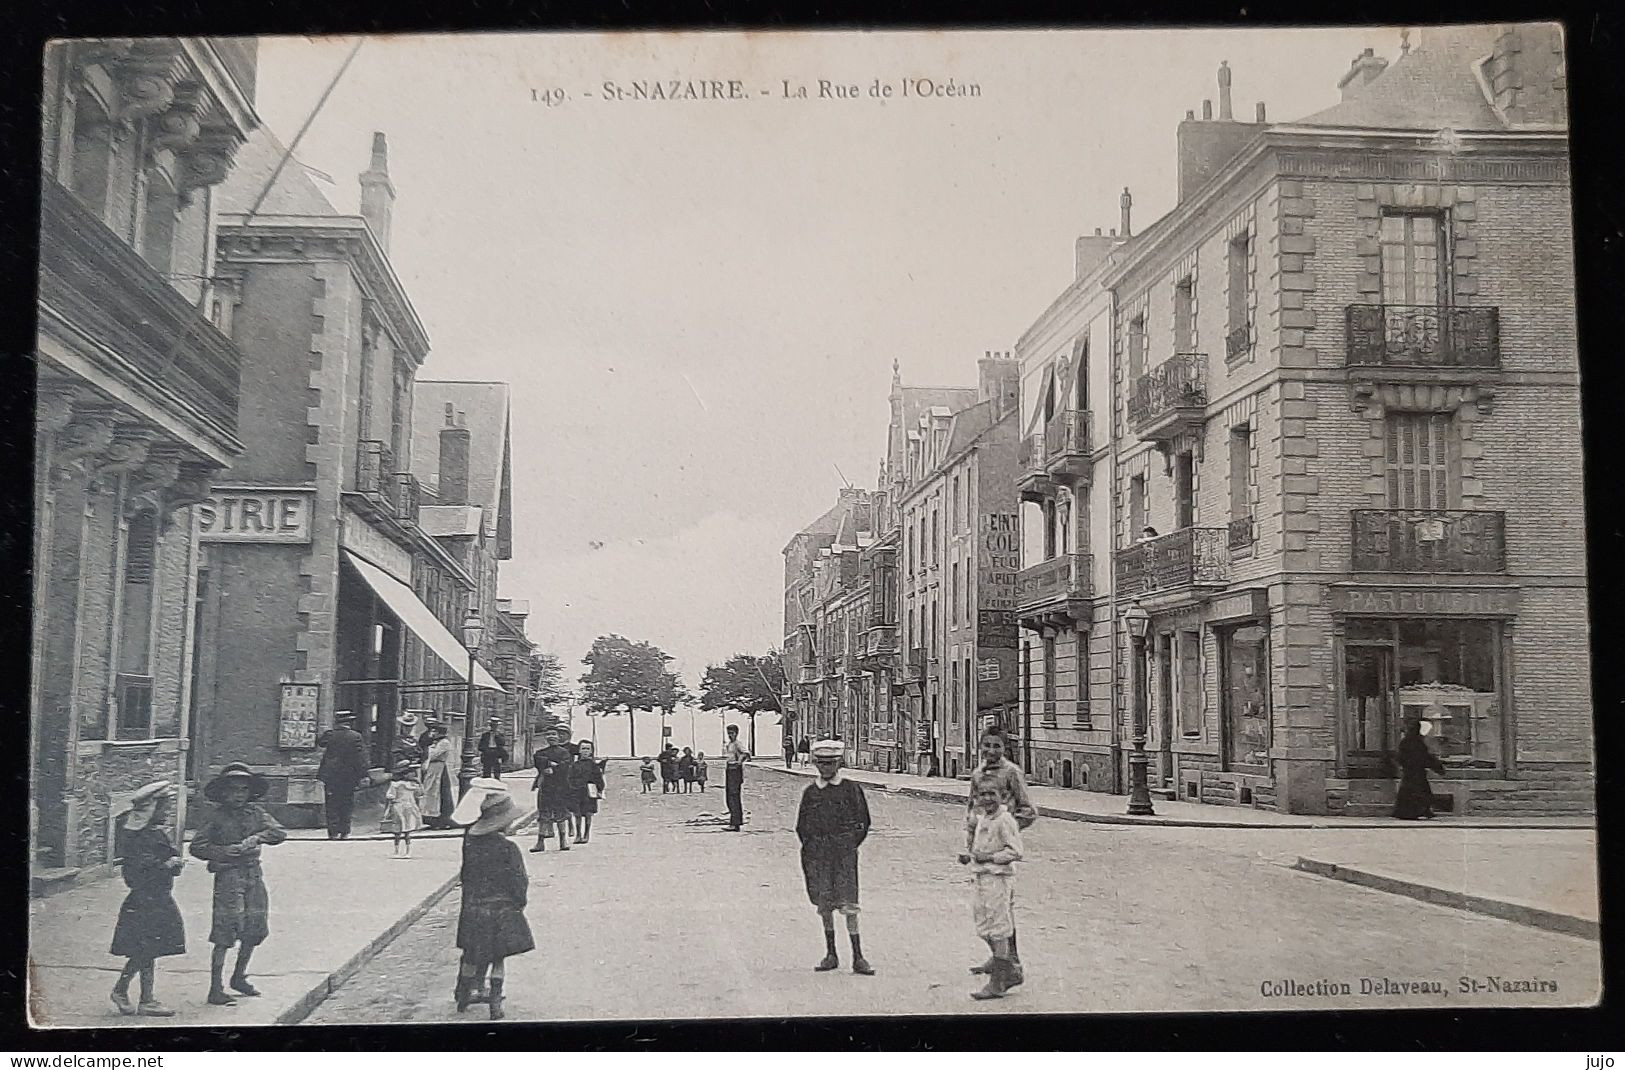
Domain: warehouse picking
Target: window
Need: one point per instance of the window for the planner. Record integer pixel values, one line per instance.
(1136, 349)
(1190, 683)
(1245, 693)
(953, 595)
(1447, 677)
(1080, 367)
(1185, 489)
(134, 698)
(970, 615)
(936, 540)
(1081, 710)
(1051, 537)
(1184, 316)
(1240, 282)
(1136, 508)
(955, 520)
(158, 223)
(1049, 680)
(1413, 259)
(913, 553)
(1063, 524)
(1419, 468)
(1241, 460)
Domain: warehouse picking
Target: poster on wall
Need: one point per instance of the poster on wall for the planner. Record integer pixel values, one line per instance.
(296, 717)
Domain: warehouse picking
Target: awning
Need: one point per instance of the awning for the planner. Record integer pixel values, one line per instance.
(421, 621)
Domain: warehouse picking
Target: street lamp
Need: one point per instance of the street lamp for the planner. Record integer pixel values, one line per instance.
(1139, 796)
(473, 632)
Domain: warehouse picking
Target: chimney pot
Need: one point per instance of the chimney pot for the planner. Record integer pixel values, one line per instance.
(1207, 109)
(1114, 232)
(1260, 112)
(1224, 90)
(1190, 114)
(1126, 201)
(1097, 232)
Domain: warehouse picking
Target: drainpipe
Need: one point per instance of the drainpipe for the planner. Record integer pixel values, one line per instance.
(1111, 563)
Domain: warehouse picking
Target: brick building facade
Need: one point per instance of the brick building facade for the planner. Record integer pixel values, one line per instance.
(137, 415)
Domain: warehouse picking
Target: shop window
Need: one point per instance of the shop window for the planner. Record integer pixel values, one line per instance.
(1244, 668)
(1447, 676)
(1190, 682)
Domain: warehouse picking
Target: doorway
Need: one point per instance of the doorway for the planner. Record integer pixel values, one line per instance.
(1165, 707)
(1368, 730)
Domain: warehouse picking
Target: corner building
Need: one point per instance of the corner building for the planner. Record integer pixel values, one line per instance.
(1345, 404)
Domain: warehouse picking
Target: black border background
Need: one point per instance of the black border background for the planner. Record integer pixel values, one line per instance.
(1596, 60)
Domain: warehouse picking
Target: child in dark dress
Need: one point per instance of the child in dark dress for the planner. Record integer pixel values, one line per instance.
(586, 787)
(149, 923)
(491, 925)
(832, 822)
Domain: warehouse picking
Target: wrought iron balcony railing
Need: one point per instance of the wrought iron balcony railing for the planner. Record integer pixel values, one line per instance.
(1189, 557)
(1241, 533)
(1179, 383)
(1066, 434)
(1060, 579)
(1401, 540)
(1030, 454)
(1423, 336)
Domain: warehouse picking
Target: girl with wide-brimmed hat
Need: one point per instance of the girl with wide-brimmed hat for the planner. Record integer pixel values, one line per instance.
(491, 925)
(230, 842)
(149, 923)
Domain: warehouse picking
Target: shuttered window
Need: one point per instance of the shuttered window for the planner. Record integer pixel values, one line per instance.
(1419, 461)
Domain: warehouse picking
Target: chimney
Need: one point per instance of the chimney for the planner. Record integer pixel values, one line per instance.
(1190, 115)
(454, 444)
(1126, 202)
(1224, 91)
(377, 194)
(998, 378)
(1366, 66)
(1258, 115)
(1207, 110)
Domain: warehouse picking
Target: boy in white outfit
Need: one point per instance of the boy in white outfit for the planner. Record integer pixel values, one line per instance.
(995, 845)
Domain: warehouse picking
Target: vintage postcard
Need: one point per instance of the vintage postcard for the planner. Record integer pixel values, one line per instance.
(1082, 521)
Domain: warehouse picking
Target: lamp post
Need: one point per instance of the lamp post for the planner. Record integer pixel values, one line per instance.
(473, 632)
(1139, 795)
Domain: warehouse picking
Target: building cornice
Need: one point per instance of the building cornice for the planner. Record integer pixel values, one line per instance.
(302, 239)
(233, 99)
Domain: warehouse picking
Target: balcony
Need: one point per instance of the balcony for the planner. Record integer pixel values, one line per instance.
(1180, 560)
(880, 642)
(103, 290)
(1241, 533)
(1170, 399)
(808, 675)
(1423, 338)
(1055, 593)
(1032, 481)
(1457, 540)
(1066, 446)
(917, 665)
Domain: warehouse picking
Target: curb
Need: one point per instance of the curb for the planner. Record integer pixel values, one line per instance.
(1179, 822)
(1518, 913)
(305, 1004)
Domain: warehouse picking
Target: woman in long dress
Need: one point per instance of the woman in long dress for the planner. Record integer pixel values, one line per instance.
(439, 798)
(1415, 796)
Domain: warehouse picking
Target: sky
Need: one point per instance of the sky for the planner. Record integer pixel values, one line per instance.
(698, 302)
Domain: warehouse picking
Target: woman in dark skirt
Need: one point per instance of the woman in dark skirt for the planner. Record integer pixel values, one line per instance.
(1415, 796)
(149, 924)
(491, 925)
(586, 787)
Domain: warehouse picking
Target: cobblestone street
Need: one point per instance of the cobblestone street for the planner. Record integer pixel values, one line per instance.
(667, 915)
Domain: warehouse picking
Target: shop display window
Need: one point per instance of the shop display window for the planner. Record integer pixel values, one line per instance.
(1245, 654)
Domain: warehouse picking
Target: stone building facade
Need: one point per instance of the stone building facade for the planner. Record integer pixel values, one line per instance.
(1329, 362)
(137, 416)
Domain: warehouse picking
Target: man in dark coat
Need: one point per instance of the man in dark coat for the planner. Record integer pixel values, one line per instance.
(493, 749)
(343, 770)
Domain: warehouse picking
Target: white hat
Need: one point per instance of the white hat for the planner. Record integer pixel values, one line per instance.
(828, 748)
(479, 789)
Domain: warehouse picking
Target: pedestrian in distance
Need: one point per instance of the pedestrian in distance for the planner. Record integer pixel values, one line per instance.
(493, 748)
(1005, 777)
(405, 747)
(552, 788)
(832, 824)
(789, 752)
(804, 748)
(438, 797)
(491, 926)
(994, 848)
(734, 778)
(230, 841)
(587, 787)
(646, 773)
(668, 769)
(1414, 799)
(343, 772)
(403, 808)
(149, 923)
(572, 810)
(426, 738)
(685, 769)
(700, 770)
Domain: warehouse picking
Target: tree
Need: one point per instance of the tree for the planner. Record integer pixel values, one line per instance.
(671, 694)
(624, 676)
(547, 681)
(748, 683)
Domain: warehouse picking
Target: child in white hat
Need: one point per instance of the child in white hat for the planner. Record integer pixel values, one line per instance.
(149, 923)
(832, 822)
(491, 925)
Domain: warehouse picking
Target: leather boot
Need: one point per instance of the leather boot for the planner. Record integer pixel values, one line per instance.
(496, 999)
(464, 989)
(997, 982)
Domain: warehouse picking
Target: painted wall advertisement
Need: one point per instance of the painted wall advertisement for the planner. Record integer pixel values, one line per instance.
(999, 562)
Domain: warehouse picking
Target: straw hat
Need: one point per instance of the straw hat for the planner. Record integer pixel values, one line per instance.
(257, 784)
(407, 720)
(468, 807)
(143, 803)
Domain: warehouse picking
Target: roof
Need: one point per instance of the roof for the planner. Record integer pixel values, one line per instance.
(1432, 86)
(293, 194)
(483, 409)
(445, 521)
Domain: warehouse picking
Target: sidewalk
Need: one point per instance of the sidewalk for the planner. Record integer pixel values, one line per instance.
(1069, 804)
(334, 904)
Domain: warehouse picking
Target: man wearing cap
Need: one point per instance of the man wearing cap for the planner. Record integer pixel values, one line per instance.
(342, 773)
(230, 842)
(493, 749)
(832, 823)
(734, 778)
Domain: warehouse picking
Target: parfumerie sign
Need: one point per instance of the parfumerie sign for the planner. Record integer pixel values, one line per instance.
(256, 514)
(1426, 601)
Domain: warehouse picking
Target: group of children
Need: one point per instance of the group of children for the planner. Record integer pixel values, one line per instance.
(679, 772)
(833, 822)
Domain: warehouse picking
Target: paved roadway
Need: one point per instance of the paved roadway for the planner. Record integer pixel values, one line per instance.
(666, 915)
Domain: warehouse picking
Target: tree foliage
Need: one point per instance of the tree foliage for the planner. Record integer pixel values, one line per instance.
(623, 675)
(547, 681)
(749, 683)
